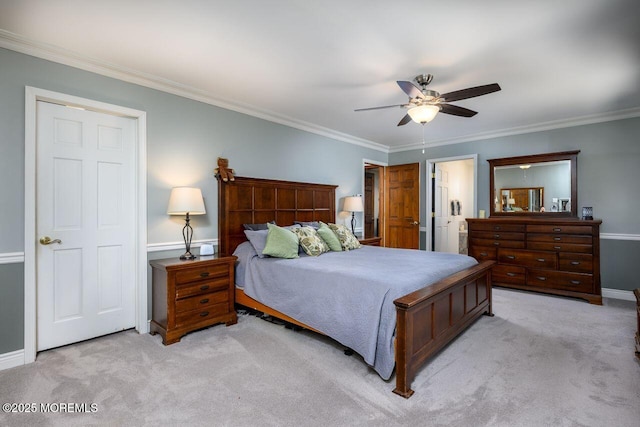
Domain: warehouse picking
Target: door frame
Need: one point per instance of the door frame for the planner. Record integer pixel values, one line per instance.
(383, 170)
(429, 182)
(32, 96)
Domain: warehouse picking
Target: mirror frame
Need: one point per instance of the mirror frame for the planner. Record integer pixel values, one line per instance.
(572, 156)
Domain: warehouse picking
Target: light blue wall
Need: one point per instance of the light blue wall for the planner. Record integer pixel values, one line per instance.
(184, 140)
(608, 177)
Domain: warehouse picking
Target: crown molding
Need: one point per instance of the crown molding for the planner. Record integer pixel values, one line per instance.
(551, 125)
(18, 43)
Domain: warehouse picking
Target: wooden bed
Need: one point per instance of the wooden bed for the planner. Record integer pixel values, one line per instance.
(427, 319)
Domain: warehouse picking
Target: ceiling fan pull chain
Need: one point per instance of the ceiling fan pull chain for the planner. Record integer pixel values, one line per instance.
(423, 132)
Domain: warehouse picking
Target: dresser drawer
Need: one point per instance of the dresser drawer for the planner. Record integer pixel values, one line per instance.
(560, 238)
(579, 263)
(565, 247)
(560, 280)
(200, 315)
(560, 229)
(202, 301)
(486, 226)
(499, 243)
(183, 291)
(535, 259)
(496, 235)
(202, 273)
(482, 253)
(508, 274)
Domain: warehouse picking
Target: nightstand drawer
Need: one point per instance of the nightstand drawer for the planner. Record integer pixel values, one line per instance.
(202, 273)
(183, 291)
(195, 316)
(201, 301)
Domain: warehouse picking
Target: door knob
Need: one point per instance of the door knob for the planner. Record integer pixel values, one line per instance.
(415, 223)
(46, 240)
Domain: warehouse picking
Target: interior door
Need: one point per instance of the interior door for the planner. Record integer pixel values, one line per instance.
(85, 196)
(368, 204)
(402, 206)
(442, 218)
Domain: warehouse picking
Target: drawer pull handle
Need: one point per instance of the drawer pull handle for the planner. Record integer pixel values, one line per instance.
(497, 236)
(483, 254)
(575, 262)
(496, 243)
(205, 274)
(557, 247)
(511, 274)
(204, 314)
(557, 239)
(497, 227)
(575, 282)
(511, 257)
(541, 260)
(204, 301)
(557, 229)
(204, 287)
(541, 278)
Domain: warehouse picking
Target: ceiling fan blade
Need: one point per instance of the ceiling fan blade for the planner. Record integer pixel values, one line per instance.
(410, 89)
(406, 119)
(457, 111)
(380, 108)
(470, 92)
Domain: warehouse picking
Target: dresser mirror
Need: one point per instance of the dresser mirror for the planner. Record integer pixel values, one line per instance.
(536, 185)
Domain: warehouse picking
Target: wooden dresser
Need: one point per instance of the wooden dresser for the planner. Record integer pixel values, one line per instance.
(190, 295)
(556, 256)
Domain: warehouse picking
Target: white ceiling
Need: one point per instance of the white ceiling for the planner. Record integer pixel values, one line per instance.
(309, 64)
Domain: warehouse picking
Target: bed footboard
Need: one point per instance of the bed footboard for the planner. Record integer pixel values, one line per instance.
(431, 317)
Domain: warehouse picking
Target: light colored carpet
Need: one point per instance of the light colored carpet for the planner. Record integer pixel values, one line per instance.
(541, 361)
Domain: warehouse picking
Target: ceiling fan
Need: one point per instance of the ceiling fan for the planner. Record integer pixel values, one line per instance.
(424, 104)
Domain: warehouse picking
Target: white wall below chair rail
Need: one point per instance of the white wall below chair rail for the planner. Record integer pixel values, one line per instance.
(11, 359)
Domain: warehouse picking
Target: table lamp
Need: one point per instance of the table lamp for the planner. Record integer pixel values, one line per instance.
(186, 201)
(353, 204)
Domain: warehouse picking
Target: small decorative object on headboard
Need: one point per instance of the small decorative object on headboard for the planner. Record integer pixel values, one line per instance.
(223, 170)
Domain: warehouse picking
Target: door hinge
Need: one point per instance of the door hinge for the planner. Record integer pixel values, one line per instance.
(433, 214)
(433, 174)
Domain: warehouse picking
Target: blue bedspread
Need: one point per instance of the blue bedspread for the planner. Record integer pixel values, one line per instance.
(346, 295)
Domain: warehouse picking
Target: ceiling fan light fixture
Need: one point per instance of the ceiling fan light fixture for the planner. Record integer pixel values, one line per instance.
(423, 113)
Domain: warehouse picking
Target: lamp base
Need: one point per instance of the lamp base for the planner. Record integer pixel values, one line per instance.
(188, 256)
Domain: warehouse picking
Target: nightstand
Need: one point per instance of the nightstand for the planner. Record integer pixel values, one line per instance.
(370, 241)
(190, 295)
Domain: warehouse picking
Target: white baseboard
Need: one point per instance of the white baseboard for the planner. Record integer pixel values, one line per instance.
(618, 294)
(11, 359)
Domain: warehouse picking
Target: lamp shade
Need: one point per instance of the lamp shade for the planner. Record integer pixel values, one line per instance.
(353, 204)
(423, 113)
(185, 200)
(511, 201)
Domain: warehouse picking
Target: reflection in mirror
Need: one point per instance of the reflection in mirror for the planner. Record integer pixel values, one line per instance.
(541, 184)
(521, 200)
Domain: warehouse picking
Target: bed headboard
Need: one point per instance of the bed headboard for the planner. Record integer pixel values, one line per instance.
(256, 200)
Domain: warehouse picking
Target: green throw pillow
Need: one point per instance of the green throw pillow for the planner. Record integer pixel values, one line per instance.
(329, 237)
(310, 241)
(281, 243)
(347, 239)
